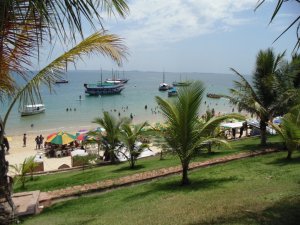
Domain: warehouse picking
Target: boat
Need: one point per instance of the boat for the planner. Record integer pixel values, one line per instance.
(181, 83)
(172, 92)
(116, 80)
(62, 81)
(210, 95)
(28, 110)
(163, 86)
(103, 88)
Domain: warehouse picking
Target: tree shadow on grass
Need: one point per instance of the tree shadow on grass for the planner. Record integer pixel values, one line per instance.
(284, 161)
(174, 186)
(285, 212)
(127, 168)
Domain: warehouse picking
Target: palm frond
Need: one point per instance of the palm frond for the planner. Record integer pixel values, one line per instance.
(109, 45)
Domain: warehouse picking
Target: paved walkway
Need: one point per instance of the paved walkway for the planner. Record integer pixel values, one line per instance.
(47, 197)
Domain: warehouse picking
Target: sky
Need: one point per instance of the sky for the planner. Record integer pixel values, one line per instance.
(208, 36)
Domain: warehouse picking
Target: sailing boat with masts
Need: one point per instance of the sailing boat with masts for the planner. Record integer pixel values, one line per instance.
(163, 86)
(103, 88)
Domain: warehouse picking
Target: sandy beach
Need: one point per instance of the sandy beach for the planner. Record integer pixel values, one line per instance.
(17, 153)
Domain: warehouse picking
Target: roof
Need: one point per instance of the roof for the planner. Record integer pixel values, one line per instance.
(34, 106)
(232, 125)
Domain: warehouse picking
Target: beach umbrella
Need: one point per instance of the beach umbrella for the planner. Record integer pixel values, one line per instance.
(82, 131)
(50, 135)
(61, 138)
(81, 136)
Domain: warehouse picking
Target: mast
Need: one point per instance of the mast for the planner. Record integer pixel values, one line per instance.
(101, 76)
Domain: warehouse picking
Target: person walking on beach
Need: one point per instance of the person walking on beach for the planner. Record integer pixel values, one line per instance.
(37, 141)
(41, 142)
(24, 140)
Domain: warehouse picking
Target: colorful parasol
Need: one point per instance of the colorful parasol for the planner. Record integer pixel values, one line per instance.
(81, 137)
(50, 135)
(61, 138)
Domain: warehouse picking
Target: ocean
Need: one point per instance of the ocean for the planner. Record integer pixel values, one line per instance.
(140, 90)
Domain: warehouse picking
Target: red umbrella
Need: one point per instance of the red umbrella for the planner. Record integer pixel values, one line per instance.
(81, 137)
(50, 135)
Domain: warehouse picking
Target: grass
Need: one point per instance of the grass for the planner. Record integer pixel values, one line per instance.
(63, 180)
(258, 190)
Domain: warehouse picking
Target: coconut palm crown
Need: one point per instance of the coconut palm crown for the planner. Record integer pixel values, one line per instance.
(261, 99)
(111, 139)
(289, 130)
(130, 135)
(184, 132)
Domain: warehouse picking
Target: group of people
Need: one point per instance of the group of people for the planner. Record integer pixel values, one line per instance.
(39, 142)
(242, 129)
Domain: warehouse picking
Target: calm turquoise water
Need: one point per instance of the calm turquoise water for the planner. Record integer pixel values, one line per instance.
(139, 91)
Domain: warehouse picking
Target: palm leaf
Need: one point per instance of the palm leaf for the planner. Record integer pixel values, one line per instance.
(106, 44)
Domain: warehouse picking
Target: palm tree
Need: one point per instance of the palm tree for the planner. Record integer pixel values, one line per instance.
(262, 98)
(25, 25)
(289, 130)
(184, 132)
(23, 169)
(99, 42)
(111, 138)
(130, 135)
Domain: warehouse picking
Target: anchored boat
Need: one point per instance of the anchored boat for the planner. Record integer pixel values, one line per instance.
(28, 110)
(103, 88)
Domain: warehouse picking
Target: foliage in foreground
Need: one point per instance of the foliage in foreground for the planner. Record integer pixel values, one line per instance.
(259, 190)
(184, 132)
(289, 130)
(72, 178)
(22, 170)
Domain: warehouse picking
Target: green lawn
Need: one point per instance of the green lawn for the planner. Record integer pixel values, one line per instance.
(63, 180)
(258, 190)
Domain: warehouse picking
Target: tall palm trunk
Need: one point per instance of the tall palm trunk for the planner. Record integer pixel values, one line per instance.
(263, 132)
(185, 167)
(132, 161)
(7, 209)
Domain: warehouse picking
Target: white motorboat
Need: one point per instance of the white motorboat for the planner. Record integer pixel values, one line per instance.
(28, 110)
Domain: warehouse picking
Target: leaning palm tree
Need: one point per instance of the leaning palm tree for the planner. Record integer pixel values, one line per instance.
(130, 135)
(110, 140)
(24, 26)
(262, 98)
(184, 132)
(289, 130)
(99, 42)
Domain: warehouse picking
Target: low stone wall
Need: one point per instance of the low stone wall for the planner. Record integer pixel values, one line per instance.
(140, 177)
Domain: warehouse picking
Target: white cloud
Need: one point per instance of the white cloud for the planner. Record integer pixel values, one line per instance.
(157, 22)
